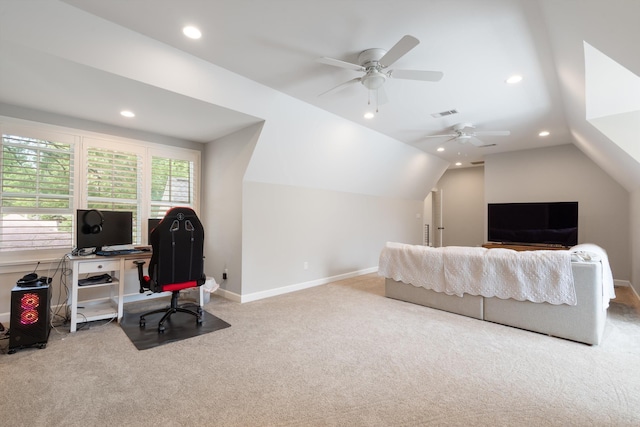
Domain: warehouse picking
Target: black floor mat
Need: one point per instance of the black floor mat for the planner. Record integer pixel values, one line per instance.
(180, 326)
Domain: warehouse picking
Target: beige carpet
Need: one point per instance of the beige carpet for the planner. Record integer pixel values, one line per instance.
(334, 355)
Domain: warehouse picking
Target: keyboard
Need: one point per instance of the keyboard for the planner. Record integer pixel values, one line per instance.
(119, 252)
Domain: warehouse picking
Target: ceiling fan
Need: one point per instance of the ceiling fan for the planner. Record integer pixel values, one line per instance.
(464, 132)
(374, 63)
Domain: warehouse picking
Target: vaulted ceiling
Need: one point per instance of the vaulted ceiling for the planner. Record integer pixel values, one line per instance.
(477, 45)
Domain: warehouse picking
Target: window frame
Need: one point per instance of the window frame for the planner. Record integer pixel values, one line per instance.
(83, 140)
(175, 154)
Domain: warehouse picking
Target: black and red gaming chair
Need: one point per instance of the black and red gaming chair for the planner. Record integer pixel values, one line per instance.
(177, 262)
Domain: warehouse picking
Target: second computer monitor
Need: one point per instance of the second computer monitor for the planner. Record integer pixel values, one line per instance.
(153, 223)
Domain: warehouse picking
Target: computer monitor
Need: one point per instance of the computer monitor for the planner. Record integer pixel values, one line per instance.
(153, 223)
(98, 229)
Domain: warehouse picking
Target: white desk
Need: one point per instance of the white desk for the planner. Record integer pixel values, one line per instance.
(105, 300)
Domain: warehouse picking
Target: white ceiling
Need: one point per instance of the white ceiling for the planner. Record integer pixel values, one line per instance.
(477, 44)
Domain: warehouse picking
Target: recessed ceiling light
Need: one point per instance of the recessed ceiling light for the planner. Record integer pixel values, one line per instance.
(440, 149)
(514, 79)
(191, 32)
(544, 133)
(127, 113)
(369, 115)
(458, 164)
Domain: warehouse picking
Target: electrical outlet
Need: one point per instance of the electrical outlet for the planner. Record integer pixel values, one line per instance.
(306, 265)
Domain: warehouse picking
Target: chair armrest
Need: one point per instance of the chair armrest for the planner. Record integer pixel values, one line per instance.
(145, 281)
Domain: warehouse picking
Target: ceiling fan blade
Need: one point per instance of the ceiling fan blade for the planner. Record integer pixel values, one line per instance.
(399, 50)
(476, 142)
(341, 86)
(450, 135)
(342, 64)
(493, 133)
(426, 76)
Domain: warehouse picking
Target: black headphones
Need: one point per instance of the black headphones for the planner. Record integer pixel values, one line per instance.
(30, 279)
(92, 227)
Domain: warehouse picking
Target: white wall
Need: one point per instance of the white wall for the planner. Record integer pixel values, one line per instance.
(304, 146)
(463, 207)
(564, 173)
(264, 232)
(635, 239)
(316, 176)
(226, 161)
(335, 233)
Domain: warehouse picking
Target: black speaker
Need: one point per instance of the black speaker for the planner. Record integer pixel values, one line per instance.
(30, 317)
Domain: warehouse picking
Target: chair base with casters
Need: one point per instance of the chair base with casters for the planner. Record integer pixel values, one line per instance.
(174, 307)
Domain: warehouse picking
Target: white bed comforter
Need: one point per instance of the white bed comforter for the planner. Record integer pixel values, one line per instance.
(537, 276)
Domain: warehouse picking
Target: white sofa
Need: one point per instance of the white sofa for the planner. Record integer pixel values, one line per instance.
(583, 322)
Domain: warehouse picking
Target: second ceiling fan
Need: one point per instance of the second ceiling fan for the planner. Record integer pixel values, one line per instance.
(375, 63)
(465, 132)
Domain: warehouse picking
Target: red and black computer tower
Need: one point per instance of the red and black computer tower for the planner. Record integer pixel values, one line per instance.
(30, 321)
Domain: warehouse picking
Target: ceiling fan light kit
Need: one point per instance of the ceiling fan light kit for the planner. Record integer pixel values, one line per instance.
(373, 80)
(374, 64)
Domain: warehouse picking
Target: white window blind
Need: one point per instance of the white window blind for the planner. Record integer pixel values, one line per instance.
(36, 197)
(48, 172)
(171, 184)
(114, 182)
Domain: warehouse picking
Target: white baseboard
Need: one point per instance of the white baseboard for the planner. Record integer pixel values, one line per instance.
(291, 288)
(626, 284)
(232, 296)
(622, 283)
(634, 291)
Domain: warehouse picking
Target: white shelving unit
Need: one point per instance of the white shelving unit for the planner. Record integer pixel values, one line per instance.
(86, 307)
(103, 307)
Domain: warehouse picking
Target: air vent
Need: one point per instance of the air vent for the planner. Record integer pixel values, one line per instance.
(477, 163)
(444, 113)
(486, 145)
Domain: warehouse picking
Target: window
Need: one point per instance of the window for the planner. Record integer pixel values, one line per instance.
(47, 174)
(171, 184)
(36, 197)
(114, 182)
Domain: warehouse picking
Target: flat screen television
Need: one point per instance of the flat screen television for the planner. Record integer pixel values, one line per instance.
(536, 223)
(99, 229)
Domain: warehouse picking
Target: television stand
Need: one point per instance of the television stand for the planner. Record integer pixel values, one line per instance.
(525, 247)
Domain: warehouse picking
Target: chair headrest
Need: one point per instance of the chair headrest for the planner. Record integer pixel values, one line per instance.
(176, 221)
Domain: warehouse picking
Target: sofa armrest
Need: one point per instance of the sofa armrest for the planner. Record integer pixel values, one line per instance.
(583, 322)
